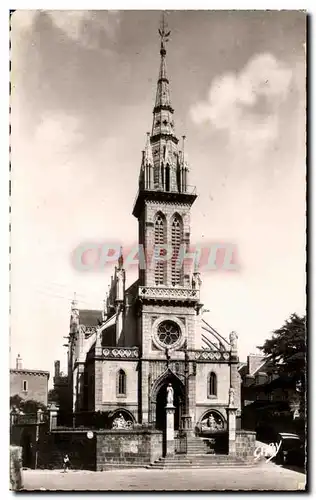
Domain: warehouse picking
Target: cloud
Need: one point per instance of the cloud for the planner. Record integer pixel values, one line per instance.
(246, 104)
(87, 27)
(58, 134)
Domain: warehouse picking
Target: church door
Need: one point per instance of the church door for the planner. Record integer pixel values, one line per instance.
(161, 400)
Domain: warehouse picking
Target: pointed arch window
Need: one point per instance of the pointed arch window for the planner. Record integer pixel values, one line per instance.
(176, 239)
(121, 383)
(160, 239)
(212, 385)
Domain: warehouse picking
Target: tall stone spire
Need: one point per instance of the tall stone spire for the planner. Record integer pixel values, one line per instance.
(163, 139)
(163, 169)
(163, 120)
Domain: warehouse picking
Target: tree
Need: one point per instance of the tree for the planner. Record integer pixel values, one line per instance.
(26, 405)
(53, 396)
(287, 348)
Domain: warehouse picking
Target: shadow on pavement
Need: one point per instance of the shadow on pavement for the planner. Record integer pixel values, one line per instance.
(294, 468)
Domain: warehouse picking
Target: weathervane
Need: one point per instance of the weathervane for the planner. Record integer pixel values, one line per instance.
(164, 34)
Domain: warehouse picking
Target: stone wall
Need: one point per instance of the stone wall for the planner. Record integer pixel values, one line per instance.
(15, 468)
(245, 445)
(75, 443)
(127, 447)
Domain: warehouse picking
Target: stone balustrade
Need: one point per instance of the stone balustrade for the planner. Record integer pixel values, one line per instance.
(120, 352)
(152, 292)
(204, 355)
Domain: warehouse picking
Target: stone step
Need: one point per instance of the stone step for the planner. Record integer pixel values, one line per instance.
(201, 466)
(122, 466)
(199, 461)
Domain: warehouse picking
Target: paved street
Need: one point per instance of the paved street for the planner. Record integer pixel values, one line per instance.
(265, 477)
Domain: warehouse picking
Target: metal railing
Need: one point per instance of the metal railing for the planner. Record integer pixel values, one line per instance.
(180, 442)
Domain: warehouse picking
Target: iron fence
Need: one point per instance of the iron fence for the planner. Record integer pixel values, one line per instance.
(180, 443)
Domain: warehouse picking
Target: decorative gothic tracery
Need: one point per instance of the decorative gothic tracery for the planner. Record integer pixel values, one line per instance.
(168, 333)
(160, 266)
(176, 239)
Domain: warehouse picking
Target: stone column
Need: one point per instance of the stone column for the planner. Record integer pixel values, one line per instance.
(170, 409)
(231, 424)
(145, 391)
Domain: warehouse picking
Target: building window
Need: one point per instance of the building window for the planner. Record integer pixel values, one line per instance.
(24, 385)
(168, 333)
(160, 230)
(121, 383)
(212, 385)
(176, 240)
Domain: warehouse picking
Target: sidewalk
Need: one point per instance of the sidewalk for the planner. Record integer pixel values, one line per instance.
(267, 477)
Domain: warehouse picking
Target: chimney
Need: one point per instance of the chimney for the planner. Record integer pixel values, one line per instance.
(19, 362)
(57, 369)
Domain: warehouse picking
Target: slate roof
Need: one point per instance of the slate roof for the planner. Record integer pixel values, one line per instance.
(90, 317)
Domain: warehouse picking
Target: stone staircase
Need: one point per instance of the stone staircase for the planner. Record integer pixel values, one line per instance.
(196, 446)
(199, 456)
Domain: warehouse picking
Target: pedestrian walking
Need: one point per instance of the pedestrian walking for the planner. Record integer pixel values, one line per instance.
(66, 463)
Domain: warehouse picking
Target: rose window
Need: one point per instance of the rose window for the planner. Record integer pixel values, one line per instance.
(168, 333)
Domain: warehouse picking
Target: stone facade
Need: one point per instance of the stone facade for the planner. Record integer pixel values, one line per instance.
(152, 334)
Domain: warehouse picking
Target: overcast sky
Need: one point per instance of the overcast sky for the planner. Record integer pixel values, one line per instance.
(83, 89)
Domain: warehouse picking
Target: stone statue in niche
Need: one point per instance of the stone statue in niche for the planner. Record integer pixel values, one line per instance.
(211, 424)
(121, 423)
(233, 340)
(196, 281)
(169, 395)
(231, 397)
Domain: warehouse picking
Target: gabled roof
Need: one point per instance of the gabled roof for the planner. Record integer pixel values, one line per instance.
(90, 342)
(90, 317)
(260, 367)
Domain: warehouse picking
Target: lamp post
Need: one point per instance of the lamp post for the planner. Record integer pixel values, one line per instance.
(186, 419)
(39, 420)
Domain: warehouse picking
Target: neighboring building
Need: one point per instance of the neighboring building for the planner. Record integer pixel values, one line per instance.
(151, 334)
(267, 398)
(29, 384)
(60, 391)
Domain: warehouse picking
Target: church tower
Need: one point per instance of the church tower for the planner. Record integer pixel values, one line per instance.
(168, 293)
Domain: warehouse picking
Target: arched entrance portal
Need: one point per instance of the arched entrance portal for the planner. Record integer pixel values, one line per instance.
(161, 399)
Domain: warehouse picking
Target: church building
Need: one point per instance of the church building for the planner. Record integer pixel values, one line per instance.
(122, 359)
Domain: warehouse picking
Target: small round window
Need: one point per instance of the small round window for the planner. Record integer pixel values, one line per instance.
(168, 333)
